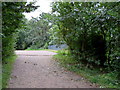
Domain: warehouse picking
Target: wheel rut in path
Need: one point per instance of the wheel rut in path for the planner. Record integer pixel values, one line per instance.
(37, 69)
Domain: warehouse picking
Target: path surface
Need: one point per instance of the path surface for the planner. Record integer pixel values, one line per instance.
(36, 69)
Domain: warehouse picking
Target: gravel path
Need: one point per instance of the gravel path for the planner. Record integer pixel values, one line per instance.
(36, 69)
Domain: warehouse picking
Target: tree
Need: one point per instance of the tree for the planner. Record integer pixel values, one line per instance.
(90, 30)
(36, 33)
(12, 14)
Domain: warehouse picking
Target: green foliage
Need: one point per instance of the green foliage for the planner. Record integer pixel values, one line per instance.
(12, 15)
(91, 31)
(35, 34)
(7, 69)
(55, 37)
(38, 33)
(8, 44)
(94, 75)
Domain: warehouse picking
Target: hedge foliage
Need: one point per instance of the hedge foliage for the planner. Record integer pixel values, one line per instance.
(12, 15)
(91, 30)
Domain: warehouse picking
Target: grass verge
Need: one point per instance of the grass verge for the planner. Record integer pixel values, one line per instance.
(7, 69)
(104, 80)
(43, 50)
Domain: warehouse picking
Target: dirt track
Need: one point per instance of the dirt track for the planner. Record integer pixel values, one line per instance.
(36, 69)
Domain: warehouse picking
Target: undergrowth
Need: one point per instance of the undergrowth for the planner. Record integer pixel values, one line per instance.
(94, 75)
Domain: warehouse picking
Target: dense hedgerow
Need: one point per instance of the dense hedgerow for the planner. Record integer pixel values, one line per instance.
(12, 15)
(91, 31)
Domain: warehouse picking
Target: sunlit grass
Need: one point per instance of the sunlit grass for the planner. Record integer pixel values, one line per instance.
(56, 51)
(103, 80)
(7, 69)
